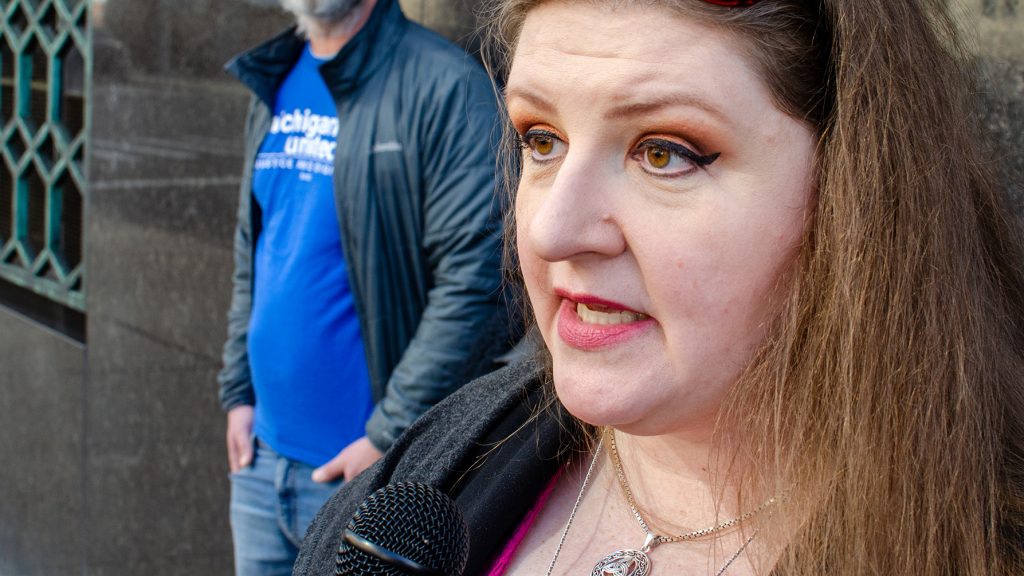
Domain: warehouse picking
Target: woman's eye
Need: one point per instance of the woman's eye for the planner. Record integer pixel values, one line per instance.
(658, 157)
(543, 145)
(667, 158)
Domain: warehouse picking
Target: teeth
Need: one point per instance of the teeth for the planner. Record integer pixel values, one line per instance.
(591, 316)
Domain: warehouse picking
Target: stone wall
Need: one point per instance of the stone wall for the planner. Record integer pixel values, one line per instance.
(996, 28)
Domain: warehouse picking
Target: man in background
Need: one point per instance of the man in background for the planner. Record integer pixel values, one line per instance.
(367, 259)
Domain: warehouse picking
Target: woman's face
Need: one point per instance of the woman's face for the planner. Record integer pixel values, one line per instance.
(663, 195)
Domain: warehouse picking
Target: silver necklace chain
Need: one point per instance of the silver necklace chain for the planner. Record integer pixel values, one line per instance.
(572, 515)
(651, 539)
(655, 539)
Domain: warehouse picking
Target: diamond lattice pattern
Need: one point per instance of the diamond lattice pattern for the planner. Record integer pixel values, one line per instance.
(44, 57)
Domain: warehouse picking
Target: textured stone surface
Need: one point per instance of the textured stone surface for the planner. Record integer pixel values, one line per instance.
(41, 433)
(1003, 114)
(455, 19)
(164, 178)
(995, 29)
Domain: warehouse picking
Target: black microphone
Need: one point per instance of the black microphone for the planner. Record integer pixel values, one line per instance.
(402, 529)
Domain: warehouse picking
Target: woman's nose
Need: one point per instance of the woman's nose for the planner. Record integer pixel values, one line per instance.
(576, 215)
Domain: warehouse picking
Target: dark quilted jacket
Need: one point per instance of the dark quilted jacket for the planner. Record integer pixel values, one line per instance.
(419, 218)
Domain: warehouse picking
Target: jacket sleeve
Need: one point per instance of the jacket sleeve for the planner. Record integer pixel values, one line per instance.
(234, 378)
(465, 324)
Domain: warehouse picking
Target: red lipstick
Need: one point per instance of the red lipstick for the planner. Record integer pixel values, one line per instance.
(589, 336)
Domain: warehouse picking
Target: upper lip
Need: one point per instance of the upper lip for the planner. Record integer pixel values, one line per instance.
(589, 299)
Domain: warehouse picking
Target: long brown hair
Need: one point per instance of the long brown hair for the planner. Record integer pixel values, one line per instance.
(887, 399)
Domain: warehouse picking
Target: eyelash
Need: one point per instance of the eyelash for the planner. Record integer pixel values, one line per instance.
(675, 149)
(527, 141)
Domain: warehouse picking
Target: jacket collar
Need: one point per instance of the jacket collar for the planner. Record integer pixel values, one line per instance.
(263, 68)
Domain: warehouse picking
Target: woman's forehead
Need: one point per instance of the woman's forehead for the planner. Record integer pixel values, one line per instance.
(630, 54)
(644, 33)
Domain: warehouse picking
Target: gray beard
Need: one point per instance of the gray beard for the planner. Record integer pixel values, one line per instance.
(325, 11)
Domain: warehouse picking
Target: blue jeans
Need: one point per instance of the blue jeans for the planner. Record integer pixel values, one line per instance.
(273, 502)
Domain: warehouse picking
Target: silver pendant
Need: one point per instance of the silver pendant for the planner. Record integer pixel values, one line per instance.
(623, 563)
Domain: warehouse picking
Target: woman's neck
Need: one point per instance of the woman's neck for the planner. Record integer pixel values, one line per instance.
(679, 482)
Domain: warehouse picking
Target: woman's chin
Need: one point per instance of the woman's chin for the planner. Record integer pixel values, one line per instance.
(603, 409)
(642, 412)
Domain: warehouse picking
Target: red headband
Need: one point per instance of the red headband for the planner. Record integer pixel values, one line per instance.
(733, 3)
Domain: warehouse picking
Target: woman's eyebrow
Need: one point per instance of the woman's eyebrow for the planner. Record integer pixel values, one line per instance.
(638, 107)
(632, 106)
(515, 93)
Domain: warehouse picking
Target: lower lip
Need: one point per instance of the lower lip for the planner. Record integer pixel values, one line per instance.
(578, 334)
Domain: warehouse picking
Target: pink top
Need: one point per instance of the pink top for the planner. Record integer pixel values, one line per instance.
(524, 527)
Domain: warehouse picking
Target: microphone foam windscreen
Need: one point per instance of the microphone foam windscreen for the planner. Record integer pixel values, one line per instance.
(411, 520)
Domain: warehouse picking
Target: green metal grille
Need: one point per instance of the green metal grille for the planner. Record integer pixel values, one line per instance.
(45, 59)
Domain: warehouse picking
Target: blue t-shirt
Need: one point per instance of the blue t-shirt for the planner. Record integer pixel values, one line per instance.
(305, 349)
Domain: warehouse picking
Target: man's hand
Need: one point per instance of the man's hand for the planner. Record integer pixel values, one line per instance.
(239, 437)
(355, 458)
